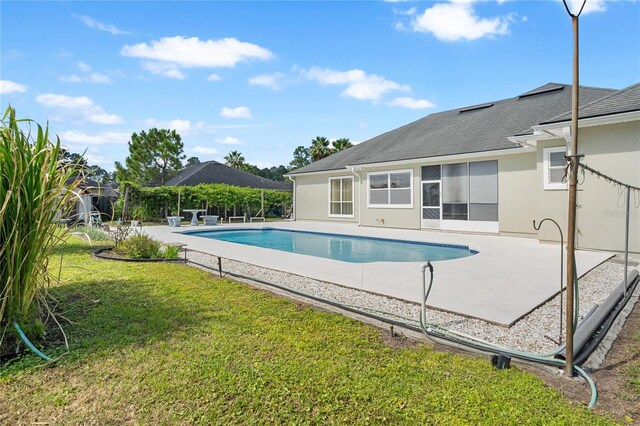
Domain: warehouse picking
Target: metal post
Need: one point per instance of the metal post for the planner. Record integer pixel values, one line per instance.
(573, 187)
(219, 265)
(626, 241)
(537, 228)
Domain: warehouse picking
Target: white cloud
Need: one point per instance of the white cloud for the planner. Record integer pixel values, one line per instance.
(93, 77)
(93, 24)
(64, 101)
(164, 69)
(400, 26)
(204, 150)
(360, 85)
(76, 138)
(238, 112)
(96, 77)
(73, 78)
(457, 21)
(214, 77)
(273, 81)
(8, 86)
(77, 106)
(412, 103)
(84, 67)
(589, 7)
(409, 12)
(104, 118)
(178, 125)
(193, 52)
(100, 160)
(230, 140)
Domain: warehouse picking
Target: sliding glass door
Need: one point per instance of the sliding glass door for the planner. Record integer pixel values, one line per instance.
(461, 196)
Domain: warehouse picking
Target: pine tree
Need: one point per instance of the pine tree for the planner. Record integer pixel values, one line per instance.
(154, 156)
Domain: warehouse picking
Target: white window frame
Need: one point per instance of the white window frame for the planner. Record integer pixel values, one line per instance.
(389, 173)
(546, 168)
(353, 209)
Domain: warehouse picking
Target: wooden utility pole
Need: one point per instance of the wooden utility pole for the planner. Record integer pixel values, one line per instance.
(574, 159)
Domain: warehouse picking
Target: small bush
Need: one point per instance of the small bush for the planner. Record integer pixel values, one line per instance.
(171, 252)
(140, 247)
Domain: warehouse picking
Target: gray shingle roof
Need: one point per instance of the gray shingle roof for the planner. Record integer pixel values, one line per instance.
(215, 172)
(626, 100)
(485, 127)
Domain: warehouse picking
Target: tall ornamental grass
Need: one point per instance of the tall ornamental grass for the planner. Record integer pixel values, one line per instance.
(34, 194)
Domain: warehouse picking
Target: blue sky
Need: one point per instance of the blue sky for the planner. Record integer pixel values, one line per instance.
(265, 77)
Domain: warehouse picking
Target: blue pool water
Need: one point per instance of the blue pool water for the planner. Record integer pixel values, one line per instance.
(345, 248)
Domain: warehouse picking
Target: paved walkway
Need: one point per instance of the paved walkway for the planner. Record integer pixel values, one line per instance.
(506, 280)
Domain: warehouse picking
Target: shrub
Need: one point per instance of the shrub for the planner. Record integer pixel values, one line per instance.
(149, 203)
(171, 252)
(36, 188)
(140, 246)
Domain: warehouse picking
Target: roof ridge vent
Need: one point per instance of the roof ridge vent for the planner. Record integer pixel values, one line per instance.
(475, 108)
(542, 91)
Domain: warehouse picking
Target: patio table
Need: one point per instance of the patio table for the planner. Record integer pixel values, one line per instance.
(194, 218)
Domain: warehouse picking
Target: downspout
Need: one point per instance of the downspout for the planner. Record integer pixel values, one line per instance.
(353, 171)
(293, 209)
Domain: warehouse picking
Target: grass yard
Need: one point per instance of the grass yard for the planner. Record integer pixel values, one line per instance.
(166, 343)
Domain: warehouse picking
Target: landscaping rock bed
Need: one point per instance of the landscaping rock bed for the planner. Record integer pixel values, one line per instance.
(528, 334)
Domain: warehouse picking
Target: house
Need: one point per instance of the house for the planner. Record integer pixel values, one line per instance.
(215, 172)
(489, 168)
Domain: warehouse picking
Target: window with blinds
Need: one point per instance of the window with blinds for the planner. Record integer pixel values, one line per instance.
(390, 189)
(341, 196)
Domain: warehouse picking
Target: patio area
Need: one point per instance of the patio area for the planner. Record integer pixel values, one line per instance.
(506, 280)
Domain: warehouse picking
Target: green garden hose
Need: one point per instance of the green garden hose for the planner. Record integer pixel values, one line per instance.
(444, 336)
(28, 342)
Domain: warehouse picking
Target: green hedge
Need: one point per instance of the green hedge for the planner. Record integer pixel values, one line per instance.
(153, 203)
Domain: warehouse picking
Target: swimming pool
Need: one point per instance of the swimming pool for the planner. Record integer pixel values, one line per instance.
(346, 248)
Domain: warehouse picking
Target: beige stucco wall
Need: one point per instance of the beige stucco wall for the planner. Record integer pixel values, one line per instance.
(600, 220)
(516, 194)
(392, 217)
(516, 181)
(312, 197)
(614, 150)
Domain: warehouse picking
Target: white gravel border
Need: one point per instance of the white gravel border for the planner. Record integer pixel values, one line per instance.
(528, 334)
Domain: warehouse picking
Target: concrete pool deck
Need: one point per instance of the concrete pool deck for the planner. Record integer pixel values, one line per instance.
(507, 279)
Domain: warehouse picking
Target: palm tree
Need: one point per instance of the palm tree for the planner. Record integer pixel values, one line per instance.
(234, 159)
(341, 144)
(319, 148)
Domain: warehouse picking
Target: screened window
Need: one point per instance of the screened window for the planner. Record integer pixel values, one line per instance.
(553, 165)
(469, 191)
(341, 196)
(483, 191)
(455, 191)
(391, 189)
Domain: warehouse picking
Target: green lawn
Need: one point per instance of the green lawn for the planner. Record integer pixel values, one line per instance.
(165, 343)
